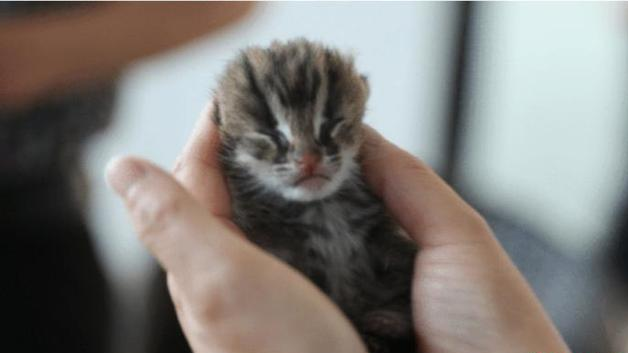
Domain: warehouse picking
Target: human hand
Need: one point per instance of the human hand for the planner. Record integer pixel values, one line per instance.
(64, 51)
(229, 295)
(467, 294)
(29, 69)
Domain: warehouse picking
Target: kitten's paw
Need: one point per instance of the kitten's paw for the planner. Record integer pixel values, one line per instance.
(387, 323)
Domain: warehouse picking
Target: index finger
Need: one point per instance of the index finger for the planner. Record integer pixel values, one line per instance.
(198, 167)
(429, 209)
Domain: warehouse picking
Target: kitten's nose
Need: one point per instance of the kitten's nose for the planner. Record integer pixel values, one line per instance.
(308, 162)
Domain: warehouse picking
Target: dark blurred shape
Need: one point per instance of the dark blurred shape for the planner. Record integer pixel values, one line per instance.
(164, 333)
(55, 295)
(618, 258)
(458, 91)
(47, 138)
(615, 259)
(23, 8)
(55, 298)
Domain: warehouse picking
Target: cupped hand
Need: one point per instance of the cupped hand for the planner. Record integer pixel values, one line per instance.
(229, 295)
(467, 294)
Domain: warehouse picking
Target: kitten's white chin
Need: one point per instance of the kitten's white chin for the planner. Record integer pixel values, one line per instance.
(319, 188)
(314, 183)
(312, 189)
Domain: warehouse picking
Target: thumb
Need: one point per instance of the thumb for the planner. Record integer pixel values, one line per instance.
(428, 208)
(177, 230)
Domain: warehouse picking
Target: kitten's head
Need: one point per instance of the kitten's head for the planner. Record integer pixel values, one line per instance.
(291, 116)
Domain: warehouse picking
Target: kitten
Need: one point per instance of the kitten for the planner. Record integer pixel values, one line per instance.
(290, 118)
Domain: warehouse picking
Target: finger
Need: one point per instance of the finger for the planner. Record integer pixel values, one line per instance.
(428, 208)
(174, 227)
(198, 166)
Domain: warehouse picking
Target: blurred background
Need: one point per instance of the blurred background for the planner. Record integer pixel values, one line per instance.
(521, 106)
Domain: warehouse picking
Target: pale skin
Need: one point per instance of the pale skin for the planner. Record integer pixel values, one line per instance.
(231, 296)
(60, 51)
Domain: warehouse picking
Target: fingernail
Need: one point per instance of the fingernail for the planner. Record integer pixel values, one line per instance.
(122, 172)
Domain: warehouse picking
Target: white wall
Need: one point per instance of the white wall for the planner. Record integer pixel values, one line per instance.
(549, 119)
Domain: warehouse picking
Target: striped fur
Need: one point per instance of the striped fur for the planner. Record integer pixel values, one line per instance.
(272, 104)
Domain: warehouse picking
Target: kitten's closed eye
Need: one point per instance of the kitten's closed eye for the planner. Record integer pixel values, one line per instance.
(260, 146)
(266, 145)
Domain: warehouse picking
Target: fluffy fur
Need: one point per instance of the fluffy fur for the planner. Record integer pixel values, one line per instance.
(276, 107)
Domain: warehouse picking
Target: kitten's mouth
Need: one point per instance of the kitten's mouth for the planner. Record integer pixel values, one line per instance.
(315, 181)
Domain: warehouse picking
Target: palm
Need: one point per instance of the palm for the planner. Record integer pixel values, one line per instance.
(450, 291)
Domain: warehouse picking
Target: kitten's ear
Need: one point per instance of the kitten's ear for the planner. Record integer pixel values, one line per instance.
(216, 116)
(365, 81)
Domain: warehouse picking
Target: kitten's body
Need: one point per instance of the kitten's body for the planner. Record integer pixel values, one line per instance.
(337, 234)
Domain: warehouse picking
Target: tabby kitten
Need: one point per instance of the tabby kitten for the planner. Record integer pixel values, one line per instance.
(290, 119)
